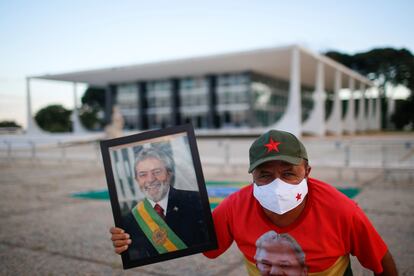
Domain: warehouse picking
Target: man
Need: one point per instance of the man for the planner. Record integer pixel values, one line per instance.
(279, 254)
(326, 224)
(167, 219)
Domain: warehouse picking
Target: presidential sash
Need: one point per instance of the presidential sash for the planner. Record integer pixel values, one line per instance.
(155, 229)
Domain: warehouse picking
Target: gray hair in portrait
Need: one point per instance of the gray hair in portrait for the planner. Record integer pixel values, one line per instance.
(272, 237)
(175, 155)
(159, 154)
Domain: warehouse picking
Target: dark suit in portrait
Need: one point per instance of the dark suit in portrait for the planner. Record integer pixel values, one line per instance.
(184, 216)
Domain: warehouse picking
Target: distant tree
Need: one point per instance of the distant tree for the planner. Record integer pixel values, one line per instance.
(94, 96)
(54, 118)
(9, 124)
(93, 103)
(404, 113)
(91, 117)
(385, 66)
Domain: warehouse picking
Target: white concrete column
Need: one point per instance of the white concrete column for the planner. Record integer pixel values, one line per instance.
(370, 117)
(334, 123)
(362, 118)
(390, 103)
(76, 124)
(349, 124)
(315, 124)
(32, 127)
(292, 118)
(377, 116)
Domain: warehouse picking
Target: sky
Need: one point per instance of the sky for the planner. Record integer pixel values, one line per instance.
(40, 37)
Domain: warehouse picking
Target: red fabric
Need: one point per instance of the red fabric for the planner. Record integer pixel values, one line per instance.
(159, 210)
(330, 226)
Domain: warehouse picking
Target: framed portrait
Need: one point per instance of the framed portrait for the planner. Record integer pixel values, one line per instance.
(158, 194)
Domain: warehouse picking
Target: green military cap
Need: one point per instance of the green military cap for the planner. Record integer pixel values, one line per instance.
(276, 145)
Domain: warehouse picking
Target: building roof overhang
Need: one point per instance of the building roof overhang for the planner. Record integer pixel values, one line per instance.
(274, 62)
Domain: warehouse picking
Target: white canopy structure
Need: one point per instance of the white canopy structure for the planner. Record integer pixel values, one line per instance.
(295, 64)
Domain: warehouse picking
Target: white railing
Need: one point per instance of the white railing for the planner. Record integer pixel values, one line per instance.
(387, 156)
(61, 151)
(232, 153)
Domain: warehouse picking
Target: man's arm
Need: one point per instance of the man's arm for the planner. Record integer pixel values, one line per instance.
(388, 265)
(222, 228)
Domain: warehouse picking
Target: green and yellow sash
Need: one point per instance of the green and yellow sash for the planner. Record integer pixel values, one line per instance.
(155, 229)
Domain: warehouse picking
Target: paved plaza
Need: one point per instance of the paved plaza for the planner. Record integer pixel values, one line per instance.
(45, 231)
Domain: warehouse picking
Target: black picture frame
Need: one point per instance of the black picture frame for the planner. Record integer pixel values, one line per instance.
(180, 143)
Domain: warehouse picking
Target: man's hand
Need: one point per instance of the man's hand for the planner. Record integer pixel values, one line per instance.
(120, 239)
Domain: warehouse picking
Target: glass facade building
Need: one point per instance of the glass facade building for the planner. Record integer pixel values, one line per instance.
(233, 100)
(286, 87)
(193, 99)
(128, 102)
(158, 98)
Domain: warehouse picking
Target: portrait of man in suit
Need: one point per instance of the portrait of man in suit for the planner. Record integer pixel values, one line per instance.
(167, 219)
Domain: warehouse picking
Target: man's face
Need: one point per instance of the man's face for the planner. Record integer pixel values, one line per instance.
(278, 258)
(153, 178)
(269, 171)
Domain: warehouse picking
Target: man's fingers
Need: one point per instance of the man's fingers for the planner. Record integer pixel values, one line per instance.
(119, 243)
(116, 230)
(119, 250)
(115, 237)
(120, 239)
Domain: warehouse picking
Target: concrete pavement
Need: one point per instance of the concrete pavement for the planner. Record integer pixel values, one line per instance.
(46, 232)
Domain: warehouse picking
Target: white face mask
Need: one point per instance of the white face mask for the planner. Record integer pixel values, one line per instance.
(279, 196)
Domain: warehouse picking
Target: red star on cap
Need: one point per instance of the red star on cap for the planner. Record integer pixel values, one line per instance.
(272, 145)
(298, 197)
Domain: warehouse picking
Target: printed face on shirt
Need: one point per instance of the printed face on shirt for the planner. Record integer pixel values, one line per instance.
(153, 178)
(269, 171)
(277, 257)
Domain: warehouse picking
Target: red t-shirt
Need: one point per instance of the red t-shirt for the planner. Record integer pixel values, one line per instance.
(330, 227)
